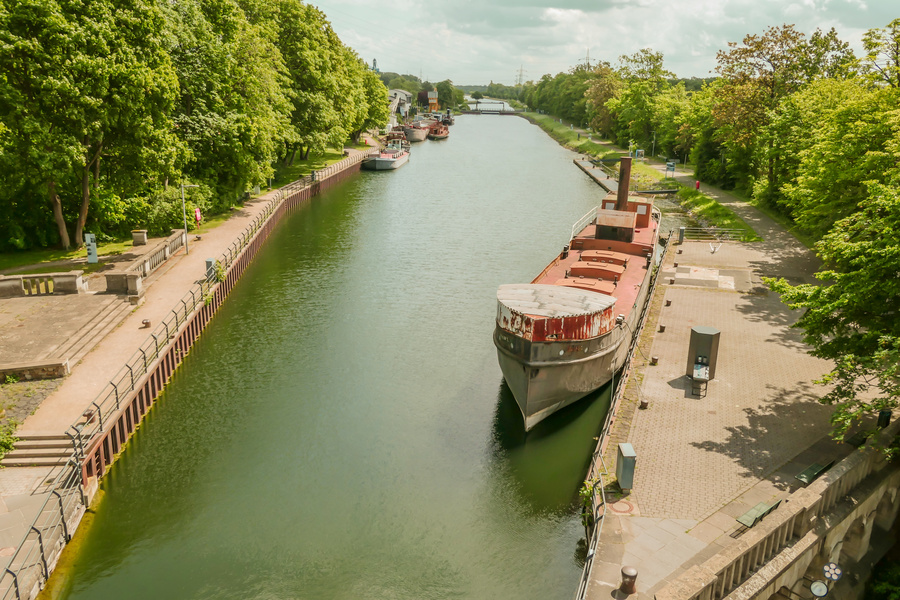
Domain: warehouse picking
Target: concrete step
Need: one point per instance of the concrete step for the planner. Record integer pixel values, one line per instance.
(33, 462)
(43, 444)
(38, 453)
(90, 335)
(35, 437)
(98, 311)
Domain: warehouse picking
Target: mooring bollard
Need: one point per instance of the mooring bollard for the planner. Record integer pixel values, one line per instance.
(668, 302)
(654, 360)
(662, 328)
(629, 579)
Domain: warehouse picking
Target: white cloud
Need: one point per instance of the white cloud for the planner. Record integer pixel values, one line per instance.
(476, 41)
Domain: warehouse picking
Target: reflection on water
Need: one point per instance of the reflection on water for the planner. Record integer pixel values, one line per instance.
(339, 431)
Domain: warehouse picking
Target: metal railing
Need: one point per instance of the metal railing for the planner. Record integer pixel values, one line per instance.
(37, 553)
(597, 461)
(583, 222)
(714, 234)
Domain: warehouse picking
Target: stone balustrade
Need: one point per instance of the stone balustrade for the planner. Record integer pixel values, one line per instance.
(130, 279)
(15, 286)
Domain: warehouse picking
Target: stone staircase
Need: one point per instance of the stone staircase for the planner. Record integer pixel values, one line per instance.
(39, 451)
(112, 310)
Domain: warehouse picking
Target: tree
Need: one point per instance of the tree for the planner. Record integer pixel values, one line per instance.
(605, 85)
(835, 139)
(882, 60)
(477, 95)
(760, 72)
(853, 320)
(110, 96)
(644, 78)
(376, 111)
(445, 93)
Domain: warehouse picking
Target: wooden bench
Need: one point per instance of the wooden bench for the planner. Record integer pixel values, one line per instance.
(756, 514)
(810, 473)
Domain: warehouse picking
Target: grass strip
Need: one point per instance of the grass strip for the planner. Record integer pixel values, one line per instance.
(709, 213)
(569, 137)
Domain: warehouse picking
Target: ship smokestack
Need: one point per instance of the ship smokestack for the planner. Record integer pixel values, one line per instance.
(624, 182)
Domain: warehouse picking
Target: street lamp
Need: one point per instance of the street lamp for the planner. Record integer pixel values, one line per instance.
(184, 214)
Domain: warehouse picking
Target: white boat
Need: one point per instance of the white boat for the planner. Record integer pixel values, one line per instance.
(391, 157)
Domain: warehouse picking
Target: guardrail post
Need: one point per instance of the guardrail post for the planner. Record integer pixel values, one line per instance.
(116, 388)
(99, 414)
(62, 516)
(43, 556)
(131, 373)
(15, 577)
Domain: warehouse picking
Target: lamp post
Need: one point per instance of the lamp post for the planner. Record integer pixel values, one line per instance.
(184, 214)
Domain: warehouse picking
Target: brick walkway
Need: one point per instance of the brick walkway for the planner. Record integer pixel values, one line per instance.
(701, 462)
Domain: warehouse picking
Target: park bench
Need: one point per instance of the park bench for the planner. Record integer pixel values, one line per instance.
(756, 514)
(810, 473)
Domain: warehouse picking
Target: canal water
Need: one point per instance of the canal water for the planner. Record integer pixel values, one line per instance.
(341, 430)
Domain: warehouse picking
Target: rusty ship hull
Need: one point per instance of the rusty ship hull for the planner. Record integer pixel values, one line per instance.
(566, 334)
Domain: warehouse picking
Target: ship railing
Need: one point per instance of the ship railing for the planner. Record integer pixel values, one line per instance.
(583, 222)
(598, 465)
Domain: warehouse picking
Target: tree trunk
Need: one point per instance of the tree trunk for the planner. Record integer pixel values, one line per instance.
(58, 215)
(306, 155)
(293, 155)
(97, 174)
(86, 193)
(85, 202)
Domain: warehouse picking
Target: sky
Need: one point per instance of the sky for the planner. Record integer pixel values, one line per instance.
(474, 42)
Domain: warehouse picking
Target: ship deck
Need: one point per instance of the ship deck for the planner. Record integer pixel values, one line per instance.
(623, 284)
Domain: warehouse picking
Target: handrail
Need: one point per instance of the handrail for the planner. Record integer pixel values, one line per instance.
(714, 233)
(96, 417)
(583, 221)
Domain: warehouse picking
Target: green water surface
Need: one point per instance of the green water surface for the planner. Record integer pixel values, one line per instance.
(341, 429)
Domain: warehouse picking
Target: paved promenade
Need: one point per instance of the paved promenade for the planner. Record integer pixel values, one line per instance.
(704, 461)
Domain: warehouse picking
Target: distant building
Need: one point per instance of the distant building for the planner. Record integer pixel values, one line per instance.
(433, 104)
(405, 102)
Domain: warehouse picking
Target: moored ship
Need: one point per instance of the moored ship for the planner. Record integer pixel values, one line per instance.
(566, 333)
(415, 132)
(393, 156)
(438, 131)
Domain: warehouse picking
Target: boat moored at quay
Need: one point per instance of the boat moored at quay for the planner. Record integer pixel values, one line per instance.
(393, 156)
(566, 333)
(415, 132)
